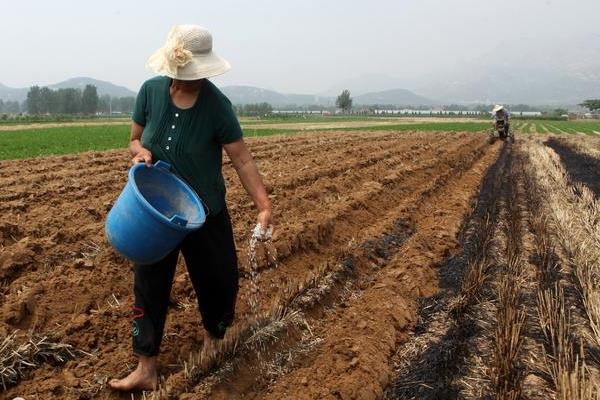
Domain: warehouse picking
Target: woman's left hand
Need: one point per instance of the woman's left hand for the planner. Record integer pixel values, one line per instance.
(265, 220)
(251, 180)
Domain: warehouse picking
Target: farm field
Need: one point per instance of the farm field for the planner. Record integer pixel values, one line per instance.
(405, 265)
(68, 138)
(591, 128)
(38, 140)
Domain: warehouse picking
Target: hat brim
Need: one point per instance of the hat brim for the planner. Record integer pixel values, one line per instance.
(201, 66)
(496, 109)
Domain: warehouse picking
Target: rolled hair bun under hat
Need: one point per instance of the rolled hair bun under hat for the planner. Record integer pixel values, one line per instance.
(188, 55)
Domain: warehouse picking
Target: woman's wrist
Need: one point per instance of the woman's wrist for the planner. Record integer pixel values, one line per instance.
(264, 207)
(135, 146)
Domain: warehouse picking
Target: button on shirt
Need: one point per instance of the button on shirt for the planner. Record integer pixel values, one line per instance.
(190, 139)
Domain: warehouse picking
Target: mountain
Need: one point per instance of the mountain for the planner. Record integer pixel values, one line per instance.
(366, 83)
(104, 87)
(240, 94)
(20, 94)
(251, 94)
(516, 84)
(558, 72)
(399, 97)
(12, 94)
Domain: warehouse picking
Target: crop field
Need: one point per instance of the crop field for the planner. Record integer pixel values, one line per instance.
(35, 140)
(406, 264)
(38, 140)
(61, 140)
(591, 128)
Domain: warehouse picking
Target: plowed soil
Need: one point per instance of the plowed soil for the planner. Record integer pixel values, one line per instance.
(365, 224)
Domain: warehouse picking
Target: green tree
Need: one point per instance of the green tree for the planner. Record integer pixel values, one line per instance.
(265, 109)
(69, 100)
(125, 104)
(344, 101)
(560, 111)
(89, 100)
(255, 109)
(592, 104)
(104, 104)
(34, 100)
(521, 107)
(12, 107)
(47, 101)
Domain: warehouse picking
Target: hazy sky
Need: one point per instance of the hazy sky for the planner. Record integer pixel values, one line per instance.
(291, 46)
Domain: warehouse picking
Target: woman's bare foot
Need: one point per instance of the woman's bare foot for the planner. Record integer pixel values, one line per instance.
(144, 377)
(209, 349)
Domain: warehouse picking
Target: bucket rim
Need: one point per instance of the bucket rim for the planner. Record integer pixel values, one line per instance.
(190, 226)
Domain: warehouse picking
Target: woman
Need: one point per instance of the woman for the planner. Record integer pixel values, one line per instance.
(182, 118)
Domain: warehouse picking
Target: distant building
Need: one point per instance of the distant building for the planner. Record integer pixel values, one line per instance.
(584, 115)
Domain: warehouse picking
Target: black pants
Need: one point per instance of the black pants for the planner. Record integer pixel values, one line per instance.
(211, 262)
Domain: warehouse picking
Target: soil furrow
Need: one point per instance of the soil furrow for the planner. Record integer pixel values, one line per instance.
(368, 222)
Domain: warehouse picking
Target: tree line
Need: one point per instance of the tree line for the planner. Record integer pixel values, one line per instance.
(253, 109)
(591, 104)
(10, 107)
(72, 101)
(344, 102)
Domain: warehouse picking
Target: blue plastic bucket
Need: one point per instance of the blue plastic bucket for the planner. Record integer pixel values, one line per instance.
(153, 214)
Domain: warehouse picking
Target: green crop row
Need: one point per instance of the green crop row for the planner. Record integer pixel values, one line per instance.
(587, 127)
(75, 139)
(63, 140)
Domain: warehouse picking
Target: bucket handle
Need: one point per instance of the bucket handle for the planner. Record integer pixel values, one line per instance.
(163, 165)
(176, 219)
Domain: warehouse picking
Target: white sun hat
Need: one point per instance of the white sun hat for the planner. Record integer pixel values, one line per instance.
(497, 108)
(188, 55)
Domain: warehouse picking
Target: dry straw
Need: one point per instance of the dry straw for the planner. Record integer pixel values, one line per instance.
(17, 359)
(577, 213)
(508, 371)
(574, 213)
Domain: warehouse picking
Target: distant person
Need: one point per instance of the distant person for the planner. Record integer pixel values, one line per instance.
(182, 118)
(501, 114)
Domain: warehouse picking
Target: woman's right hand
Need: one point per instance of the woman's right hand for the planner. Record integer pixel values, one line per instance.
(144, 156)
